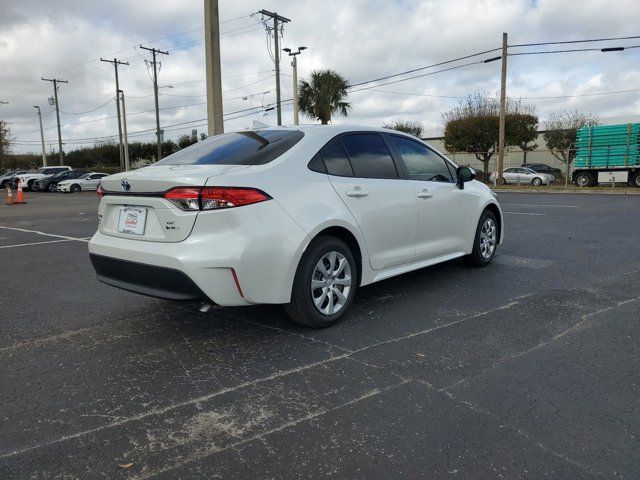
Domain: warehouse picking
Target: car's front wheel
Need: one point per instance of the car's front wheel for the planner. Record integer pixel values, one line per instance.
(536, 182)
(75, 188)
(53, 187)
(324, 285)
(485, 241)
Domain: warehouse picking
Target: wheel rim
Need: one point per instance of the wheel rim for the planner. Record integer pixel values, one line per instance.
(638, 180)
(488, 237)
(583, 180)
(331, 283)
(537, 182)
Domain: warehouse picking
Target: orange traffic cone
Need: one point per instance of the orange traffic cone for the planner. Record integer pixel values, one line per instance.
(20, 196)
(9, 196)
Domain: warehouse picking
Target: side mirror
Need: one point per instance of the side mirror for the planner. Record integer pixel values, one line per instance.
(465, 174)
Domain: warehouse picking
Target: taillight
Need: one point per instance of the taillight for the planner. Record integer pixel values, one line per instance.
(214, 198)
(186, 198)
(100, 191)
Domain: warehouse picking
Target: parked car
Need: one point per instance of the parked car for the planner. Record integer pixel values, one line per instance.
(49, 184)
(29, 178)
(88, 181)
(543, 168)
(296, 216)
(6, 178)
(522, 175)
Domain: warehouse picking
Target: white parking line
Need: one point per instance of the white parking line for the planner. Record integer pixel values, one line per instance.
(36, 243)
(45, 234)
(538, 205)
(527, 213)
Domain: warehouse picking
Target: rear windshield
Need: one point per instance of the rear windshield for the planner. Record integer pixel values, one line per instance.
(238, 148)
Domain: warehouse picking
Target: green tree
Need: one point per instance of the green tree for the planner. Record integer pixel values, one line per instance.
(560, 134)
(407, 126)
(5, 142)
(473, 126)
(186, 140)
(324, 95)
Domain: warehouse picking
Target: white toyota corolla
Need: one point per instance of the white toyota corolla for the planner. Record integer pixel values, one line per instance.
(299, 216)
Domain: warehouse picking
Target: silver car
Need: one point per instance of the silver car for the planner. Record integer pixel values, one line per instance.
(523, 175)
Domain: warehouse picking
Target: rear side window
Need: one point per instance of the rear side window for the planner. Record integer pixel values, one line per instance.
(238, 148)
(422, 163)
(335, 159)
(369, 155)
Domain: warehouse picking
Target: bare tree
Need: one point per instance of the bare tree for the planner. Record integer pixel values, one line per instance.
(5, 142)
(411, 127)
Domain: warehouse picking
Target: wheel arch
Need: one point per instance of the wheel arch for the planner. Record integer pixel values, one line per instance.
(344, 234)
(493, 208)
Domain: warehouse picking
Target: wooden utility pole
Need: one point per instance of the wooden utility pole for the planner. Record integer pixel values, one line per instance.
(276, 18)
(56, 81)
(214, 80)
(154, 52)
(115, 63)
(44, 153)
(503, 102)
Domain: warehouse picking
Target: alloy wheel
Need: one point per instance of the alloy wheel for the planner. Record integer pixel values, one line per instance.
(488, 238)
(331, 283)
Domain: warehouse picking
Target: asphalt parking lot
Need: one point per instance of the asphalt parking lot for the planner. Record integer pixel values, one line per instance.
(525, 369)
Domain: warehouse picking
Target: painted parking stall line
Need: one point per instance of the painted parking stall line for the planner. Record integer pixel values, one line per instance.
(38, 232)
(528, 213)
(537, 205)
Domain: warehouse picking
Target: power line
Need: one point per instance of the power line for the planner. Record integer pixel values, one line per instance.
(89, 111)
(424, 68)
(576, 50)
(589, 40)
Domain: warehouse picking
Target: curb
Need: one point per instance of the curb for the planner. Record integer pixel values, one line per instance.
(575, 191)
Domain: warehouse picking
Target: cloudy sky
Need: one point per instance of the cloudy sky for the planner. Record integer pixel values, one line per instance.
(362, 40)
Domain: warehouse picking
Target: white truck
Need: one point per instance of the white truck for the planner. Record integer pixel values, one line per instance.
(28, 179)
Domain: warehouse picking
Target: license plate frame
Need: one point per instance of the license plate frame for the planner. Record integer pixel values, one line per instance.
(132, 220)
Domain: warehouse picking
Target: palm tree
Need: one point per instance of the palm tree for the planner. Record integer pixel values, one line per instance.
(324, 95)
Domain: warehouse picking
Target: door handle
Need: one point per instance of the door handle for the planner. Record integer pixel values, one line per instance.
(425, 194)
(357, 192)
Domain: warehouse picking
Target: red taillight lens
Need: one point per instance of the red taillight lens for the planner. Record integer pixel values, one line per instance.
(213, 198)
(186, 198)
(227, 197)
(100, 191)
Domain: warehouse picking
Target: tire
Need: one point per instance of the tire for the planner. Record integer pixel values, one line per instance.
(504, 181)
(584, 179)
(536, 182)
(52, 187)
(31, 185)
(302, 308)
(636, 180)
(481, 256)
(75, 188)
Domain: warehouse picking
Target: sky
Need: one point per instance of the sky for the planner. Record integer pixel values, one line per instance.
(361, 40)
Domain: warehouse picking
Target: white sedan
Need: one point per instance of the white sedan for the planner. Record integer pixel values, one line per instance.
(523, 175)
(88, 181)
(296, 216)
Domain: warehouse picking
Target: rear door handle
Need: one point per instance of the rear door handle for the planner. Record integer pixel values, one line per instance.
(425, 194)
(357, 192)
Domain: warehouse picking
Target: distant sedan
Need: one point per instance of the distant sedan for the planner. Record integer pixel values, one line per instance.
(522, 175)
(88, 181)
(543, 168)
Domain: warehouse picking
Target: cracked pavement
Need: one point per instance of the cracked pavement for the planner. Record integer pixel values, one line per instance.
(525, 369)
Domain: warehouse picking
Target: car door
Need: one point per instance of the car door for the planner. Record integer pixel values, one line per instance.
(365, 176)
(91, 182)
(445, 212)
(510, 175)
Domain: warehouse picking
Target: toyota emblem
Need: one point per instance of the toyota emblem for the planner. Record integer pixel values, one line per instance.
(126, 186)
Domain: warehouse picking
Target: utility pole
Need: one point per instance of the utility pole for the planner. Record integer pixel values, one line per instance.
(115, 63)
(154, 52)
(294, 64)
(124, 126)
(276, 52)
(56, 81)
(503, 101)
(44, 153)
(215, 122)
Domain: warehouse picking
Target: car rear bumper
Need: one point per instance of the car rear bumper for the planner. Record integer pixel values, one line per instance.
(148, 280)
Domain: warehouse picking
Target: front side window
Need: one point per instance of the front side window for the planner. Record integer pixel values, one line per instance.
(369, 156)
(422, 163)
(239, 148)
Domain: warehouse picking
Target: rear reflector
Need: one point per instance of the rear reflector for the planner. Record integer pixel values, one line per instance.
(100, 191)
(214, 198)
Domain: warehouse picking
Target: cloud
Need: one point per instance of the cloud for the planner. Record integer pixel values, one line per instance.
(360, 39)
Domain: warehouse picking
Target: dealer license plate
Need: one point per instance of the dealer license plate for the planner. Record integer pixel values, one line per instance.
(132, 220)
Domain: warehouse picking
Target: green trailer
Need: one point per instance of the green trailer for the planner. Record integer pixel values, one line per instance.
(607, 153)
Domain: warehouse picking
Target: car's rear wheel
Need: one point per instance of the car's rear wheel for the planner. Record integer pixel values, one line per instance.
(31, 185)
(324, 285)
(485, 241)
(75, 188)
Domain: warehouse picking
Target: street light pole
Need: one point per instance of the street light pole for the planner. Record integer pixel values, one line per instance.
(124, 127)
(294, 64)
(503, 101)
(44, 154)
